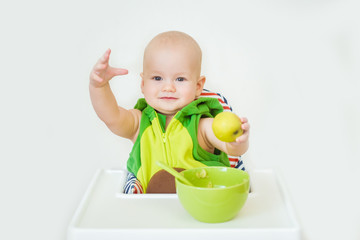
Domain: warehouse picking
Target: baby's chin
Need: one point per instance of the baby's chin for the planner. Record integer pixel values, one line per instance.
(166, 112)
(168, 108)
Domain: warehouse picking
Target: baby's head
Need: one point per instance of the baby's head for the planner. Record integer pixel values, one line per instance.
(171, 72)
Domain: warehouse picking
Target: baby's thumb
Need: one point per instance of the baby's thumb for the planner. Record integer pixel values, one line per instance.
(119, 71)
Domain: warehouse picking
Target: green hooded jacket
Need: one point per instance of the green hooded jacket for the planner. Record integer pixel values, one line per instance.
(177, 146)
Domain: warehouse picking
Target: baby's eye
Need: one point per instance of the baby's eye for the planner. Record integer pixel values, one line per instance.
(180, 79)
(157, 78)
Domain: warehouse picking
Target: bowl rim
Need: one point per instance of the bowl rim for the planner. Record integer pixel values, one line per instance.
(247, 180)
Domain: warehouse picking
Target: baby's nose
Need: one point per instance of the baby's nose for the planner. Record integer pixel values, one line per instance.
(169, 86)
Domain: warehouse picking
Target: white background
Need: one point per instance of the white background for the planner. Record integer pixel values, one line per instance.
(291, 67)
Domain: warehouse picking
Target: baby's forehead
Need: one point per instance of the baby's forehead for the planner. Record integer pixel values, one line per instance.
(172, 55)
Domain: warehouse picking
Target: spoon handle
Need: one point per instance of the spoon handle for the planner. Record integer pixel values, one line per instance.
(173, 172)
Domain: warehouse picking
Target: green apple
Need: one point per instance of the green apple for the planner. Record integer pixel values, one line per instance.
(227, 126)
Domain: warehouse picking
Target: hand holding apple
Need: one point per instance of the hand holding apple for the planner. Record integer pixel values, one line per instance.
(227, 126)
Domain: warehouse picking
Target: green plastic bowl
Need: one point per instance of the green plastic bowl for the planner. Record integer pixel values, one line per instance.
(218, 193)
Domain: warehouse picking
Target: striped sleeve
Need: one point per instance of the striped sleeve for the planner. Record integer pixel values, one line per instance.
(132, 185)
(224, 103)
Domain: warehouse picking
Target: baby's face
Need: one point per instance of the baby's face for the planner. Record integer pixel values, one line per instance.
(171, 78)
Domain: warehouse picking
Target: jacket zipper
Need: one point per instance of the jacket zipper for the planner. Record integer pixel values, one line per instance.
(164, 138)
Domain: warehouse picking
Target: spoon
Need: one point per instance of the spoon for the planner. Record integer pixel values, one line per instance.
(173, 172)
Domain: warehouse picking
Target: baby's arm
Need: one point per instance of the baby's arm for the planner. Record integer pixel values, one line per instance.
(209, 141)
(120, 121)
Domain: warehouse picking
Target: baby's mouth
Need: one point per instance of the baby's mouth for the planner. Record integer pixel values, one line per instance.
(168, 98)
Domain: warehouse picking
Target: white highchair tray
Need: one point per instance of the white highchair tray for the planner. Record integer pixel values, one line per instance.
(106, 213)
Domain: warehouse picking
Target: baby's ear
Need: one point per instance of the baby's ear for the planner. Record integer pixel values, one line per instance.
(142, 82)
(200, 85)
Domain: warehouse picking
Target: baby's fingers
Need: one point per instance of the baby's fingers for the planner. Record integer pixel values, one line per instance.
(243, 138)
(95, 77)
(100, 67)
(103, 62)
(96, 80)
(245, 126)
(105, 57)
(244, 120)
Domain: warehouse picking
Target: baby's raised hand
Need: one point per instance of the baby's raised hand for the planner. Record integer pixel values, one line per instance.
(102, 72)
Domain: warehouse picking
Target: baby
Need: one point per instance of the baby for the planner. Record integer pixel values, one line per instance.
(171, 123)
